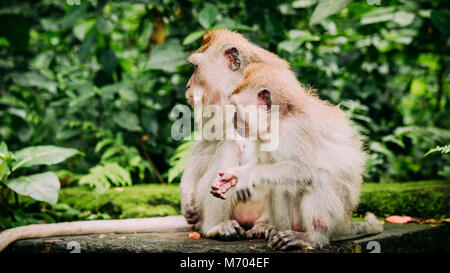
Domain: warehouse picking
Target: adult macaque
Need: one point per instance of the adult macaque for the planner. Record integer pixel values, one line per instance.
(219, 64)
(314, 175)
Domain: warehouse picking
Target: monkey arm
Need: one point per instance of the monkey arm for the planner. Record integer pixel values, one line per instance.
(195, 168)
(286, 173)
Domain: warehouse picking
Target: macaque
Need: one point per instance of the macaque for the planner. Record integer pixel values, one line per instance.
(314, 175)
(218, 68)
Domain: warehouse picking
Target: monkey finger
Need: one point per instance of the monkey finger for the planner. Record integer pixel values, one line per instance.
(249, 234)
(277, 241)
(221, 173)
(280, 243)
(218, 194)
(233, 182)
(239, 230)
(274, 241)
(245, 195)
(226, 177)
(225, 187)
(296, 243)
(291, 244)
(241, 196)
(216, 185)
(270, 233)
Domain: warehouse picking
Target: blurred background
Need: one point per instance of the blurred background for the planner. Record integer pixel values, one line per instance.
(87, 88)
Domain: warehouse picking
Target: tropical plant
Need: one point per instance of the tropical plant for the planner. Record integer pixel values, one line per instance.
(40, 186)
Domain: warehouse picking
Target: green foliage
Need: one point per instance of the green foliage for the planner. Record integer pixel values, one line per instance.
(420, 199)
(179, 160)
(444, 150)
(42, 186)
(102, 176)
(42, 155)
(136, 201)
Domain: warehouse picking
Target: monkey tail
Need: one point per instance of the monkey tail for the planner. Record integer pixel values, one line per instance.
(371, 225)
(154, 224)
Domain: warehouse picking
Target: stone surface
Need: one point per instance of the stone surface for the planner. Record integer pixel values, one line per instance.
(408, 238)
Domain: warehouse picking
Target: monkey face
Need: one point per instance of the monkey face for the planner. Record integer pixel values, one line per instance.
(216, 71)
(252, 116)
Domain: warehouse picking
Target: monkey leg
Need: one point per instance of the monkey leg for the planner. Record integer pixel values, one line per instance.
(192, 215)
(196, 167)
(290, 239)
(261, 230)
(229, 230)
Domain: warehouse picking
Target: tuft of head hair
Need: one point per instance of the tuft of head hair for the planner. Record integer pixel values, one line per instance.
(250, 53)
(284, 88)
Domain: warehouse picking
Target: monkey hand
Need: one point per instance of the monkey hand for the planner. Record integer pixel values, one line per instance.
(244, 188)
(222, 185)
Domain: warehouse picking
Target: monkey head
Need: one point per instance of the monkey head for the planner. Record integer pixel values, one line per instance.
(219, 65)
(263, 87)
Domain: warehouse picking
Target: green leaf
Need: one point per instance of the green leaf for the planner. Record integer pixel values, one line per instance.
(441, 19)
(303, 3)
(127, 120)
(42, 155)
(168, 56)
(326, 8)
(193, 36)
(80, 30)
(403, 18)
(443, 149)
(207, 16)
(34, 79)
(104, 25)
(179, 160)
(5, 158)
(378, 15)
(42, 187)
(290, 45)
(70, 18)
(102, 176)
(87, 46)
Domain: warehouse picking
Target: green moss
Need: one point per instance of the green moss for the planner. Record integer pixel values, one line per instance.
(426, 199)
(136, 201)
(405, 186)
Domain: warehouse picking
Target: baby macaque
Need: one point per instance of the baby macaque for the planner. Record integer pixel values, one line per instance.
(313, 176)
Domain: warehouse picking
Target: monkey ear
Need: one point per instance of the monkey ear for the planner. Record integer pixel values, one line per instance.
(233, 58)
(264, 98)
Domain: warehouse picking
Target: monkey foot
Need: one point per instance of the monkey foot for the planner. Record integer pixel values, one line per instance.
(262, 231)
(289, 239)
(191, 216)
(229, 230)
